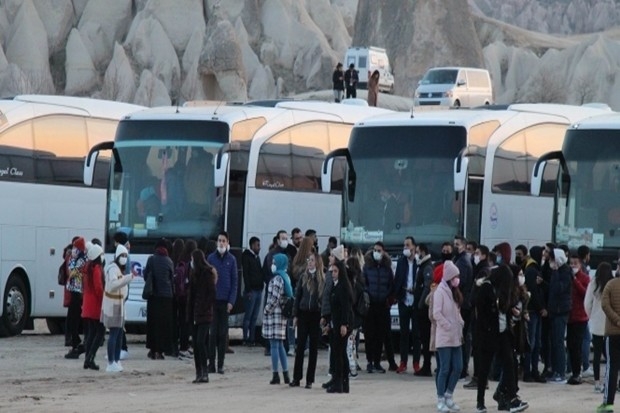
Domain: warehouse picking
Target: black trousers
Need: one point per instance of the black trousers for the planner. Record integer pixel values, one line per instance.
(612, 345)
(409, 333)
(545, 342)
(93, 335)
(181, 326)
(598, 344)
(74, 318)
(307, 328)
(218, 333)
(351, 92)
(424, 327)
(466, 347)
(341, 361)
(376, 328)
(574, 344)
(201, 339)
(505, 357)
(484, 359)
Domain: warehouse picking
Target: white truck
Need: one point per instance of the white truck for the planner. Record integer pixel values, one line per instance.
(366, 61)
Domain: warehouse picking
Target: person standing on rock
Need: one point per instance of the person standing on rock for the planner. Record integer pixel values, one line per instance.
(338, 81)
(350, 79)
(373, 88)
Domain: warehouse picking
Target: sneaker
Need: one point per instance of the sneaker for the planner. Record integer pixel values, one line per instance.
(353, 376)
(557, 379)
(605, 408)
(379, 369)
(73, 354)
(416, 366)
(587, 373)
(124, 354)
(370, 368)
(481, 409)
(574, 380)
(119, 366)
(182, 355)
(113, 368)
(472, 385)
(518, 406)
(598, 388)
(392, 367)
(401, 368)
(452, 405)
(441, 405)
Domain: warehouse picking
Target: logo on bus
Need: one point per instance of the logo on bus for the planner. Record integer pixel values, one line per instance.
(136, 268)
(493, 216)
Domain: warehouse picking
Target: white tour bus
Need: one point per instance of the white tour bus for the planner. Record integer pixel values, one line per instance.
(434, 175)
(247, 169)
(587, 190)
(43, 142)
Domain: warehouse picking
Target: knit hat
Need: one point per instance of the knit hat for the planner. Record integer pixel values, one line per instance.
(93, 252)
(120, 249)
(449, 271)
(559, 256)
(438, 273)
(338, 252)
(80, 244)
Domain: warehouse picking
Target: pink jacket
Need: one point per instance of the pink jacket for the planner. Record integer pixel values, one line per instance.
(447, 315)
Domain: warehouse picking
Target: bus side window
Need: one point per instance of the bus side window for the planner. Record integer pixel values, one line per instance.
(16, 153)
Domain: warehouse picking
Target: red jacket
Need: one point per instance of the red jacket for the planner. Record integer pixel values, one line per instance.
(578, 311)
(92, 292)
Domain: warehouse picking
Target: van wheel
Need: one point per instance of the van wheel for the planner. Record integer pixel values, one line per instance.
(487, 103)
(391, 91)
(457, 103)
(16, 307)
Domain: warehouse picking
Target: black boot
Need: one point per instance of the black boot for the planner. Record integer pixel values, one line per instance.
(275, 379)
(198, 376)
(204, 378)
(287, 379)
(91, 363)
(328, 384)
(345, 385)
(87, 362)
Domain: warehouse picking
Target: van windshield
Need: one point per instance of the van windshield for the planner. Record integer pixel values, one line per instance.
(440, 77)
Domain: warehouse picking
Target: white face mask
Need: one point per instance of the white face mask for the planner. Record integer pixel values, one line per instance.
(376, 255)
(221, 250)
(521, 280)
(122, 260)
(273, 268)
(575, 270)
(407, 252)
(416, 257)
(283, 243)
(191, 264)
(312, 271)
(476, 259)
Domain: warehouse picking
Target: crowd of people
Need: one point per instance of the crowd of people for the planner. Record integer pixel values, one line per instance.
(518, 319)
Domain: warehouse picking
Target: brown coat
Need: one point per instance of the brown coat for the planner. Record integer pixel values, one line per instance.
(373, 91)
(610, 301)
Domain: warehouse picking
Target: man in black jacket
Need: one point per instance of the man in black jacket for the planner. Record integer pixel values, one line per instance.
(338, 83)
(559, 306)
(536, 308)
(424, 279)
(350, 79)
(253, 283)
(466, 275)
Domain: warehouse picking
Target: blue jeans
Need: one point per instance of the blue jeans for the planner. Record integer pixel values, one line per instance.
(558, 349)
(585, 349)
(114, 344)
(450, 369)
(252, 307)
(534, 333)
(277, 351)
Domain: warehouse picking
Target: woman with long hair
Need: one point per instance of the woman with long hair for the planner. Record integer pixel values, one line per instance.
(341, 301)
(113, 306)
(307, 316)
(177, 250)
(592, 303)
(200, 300)
(92, 285)
(306, 248)
(354, 273)
(373, 88)
(447, 300)
(274, 323)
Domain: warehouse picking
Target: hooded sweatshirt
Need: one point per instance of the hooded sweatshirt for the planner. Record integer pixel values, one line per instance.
(560, 285)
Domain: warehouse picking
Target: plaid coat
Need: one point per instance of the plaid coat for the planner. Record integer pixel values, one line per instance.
(274, 325)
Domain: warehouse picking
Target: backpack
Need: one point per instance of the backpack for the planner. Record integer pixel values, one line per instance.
(363, 304)
(181, 279)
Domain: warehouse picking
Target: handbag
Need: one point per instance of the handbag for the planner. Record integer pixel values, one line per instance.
(287, 306)
(62, 273)
(147, 291)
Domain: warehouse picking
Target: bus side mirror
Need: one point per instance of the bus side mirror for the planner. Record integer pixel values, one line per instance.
(537, 176)
(326, 175)
(461, 165)
(221, 167)
(91, 160)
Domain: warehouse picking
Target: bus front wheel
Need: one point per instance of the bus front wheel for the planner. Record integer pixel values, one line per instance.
(15, 311)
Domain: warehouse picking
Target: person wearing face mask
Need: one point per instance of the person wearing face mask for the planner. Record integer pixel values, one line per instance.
(404, 282)
(379, 280)
(423, 281)
(159, 313)
(577, 318)
(503, 253)
(447, 300)
(226, 295)
(200, 303)
(545, 330)
(253, 282)
(306, 317)
(559, 309)
(521, 255)
(536, 310)
(75, 268)
(113, 306)
(446, 252)
(466, 276)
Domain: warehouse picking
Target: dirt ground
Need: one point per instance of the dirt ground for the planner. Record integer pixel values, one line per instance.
(35, 377)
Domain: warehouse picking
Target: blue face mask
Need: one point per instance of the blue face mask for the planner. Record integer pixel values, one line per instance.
(499, 259)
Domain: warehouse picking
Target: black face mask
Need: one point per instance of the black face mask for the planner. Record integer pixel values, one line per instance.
(518, 260)
(446, 256)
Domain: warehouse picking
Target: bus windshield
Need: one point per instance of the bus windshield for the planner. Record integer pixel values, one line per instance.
(163, 187)
(588, 205)
(404, 185)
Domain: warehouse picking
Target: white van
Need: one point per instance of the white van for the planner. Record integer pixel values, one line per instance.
(367, 60)
(454, 86)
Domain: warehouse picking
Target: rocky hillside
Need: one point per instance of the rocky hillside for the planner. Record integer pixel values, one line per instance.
(158, 52)
(553, 16)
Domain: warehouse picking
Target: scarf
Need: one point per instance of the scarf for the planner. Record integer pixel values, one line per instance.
(161, 251)
(288, 289)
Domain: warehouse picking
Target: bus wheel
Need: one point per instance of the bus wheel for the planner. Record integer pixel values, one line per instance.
(56, 325)
(15, 311)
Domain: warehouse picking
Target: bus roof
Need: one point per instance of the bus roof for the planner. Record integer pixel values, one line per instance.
(571, 113)
(608, 121)
(222, 113)
(461, 117)
(48, 104)
(348, 113)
